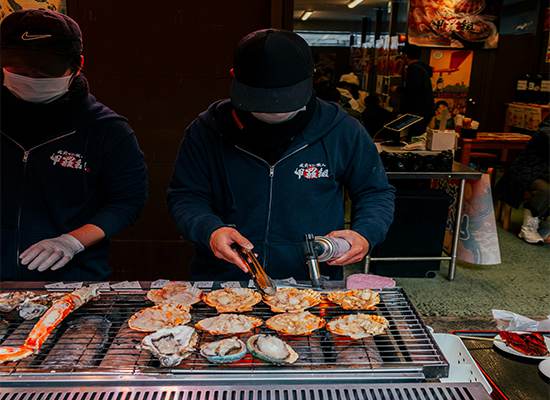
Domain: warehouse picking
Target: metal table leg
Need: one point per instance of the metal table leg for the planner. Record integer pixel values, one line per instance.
(456, 231)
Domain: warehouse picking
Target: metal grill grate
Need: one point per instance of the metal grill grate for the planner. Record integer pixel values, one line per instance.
(426, 391)
(96, 339)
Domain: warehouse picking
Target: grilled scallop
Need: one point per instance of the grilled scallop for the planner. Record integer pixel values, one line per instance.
(232, 299)
(175, 293)
(224, 351)
(161, 316)
(228, 324)
(10, 300)
(271, 349)
(300, 324)
(171, 345)
(355, 299)
(358, 326)
(292, 300)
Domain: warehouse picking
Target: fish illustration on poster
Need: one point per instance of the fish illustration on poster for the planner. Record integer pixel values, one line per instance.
(469, 24)
(9, 6)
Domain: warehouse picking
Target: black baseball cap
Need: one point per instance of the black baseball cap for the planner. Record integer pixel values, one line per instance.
(45, 39)
(272, 71)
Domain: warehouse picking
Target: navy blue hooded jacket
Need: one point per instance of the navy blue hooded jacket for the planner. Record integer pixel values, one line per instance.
(216, 183)
(65, 164)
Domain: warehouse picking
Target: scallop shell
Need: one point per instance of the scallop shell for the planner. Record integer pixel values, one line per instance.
(10, 300)
(171, 345)
(271, 349)
(292, 300)
(175, 293)
(355, 299)
(299, 324)
(358, 326)
(228, 324)
(232, 299)
(224, 351)
(161, 316)
(34, 307)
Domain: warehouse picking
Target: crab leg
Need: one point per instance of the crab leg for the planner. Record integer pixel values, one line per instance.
(47, 323)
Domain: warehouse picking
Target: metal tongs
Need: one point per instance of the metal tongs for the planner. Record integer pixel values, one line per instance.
(260, 277)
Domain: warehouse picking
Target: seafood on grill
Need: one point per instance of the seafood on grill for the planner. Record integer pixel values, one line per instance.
(232, 299)
(10, 300)
(292, 300)
(272, 349)
(176, 293)
(161, 316)
(355, 299)
(34, 307)
(358, 326)
(228, 324)
(224, 351)
(171, 345)
(299, 324)
(59, 310)
(81, 344)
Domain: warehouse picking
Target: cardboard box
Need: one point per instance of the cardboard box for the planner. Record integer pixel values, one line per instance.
(440, 139)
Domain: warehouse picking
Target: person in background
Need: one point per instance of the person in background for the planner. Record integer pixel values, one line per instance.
(442, 112)
(352, 99)
(72, 173)
(375, 116)
(528, 179)
(269, 165)
(416, 94)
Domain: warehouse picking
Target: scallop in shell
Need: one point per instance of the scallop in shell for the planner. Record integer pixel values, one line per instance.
(171, 345)
(34, 307)
(271, 349)
(224, 351)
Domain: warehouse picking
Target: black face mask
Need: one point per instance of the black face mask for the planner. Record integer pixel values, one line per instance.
(270, 141)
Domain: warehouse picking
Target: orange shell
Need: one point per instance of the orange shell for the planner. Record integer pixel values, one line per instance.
(310, 297)
(255, 322)
(352, 299)
(241, 303)
(297, 324)
(378, 325)
(166, 315)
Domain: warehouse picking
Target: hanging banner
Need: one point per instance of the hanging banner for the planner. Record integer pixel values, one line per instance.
(451, 81)
(454, 23)
(9, 6)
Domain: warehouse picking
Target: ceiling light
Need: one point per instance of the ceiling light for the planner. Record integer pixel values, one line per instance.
(306, 15)
(354, 3)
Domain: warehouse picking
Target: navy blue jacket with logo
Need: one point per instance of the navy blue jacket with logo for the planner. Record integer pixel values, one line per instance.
(216, 183)
(91, 171)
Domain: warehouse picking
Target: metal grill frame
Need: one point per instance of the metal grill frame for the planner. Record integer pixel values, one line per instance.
(394, 391)
(406, 331)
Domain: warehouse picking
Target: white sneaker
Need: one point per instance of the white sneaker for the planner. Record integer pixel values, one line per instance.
(529, 229)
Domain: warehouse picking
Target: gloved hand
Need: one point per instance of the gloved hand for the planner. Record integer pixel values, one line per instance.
(51, 253)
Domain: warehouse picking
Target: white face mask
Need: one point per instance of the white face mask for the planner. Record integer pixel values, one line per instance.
(36, 90)
(276, 118)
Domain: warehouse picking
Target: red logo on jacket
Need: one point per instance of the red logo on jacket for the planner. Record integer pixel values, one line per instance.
(311, 171)
(66, 159)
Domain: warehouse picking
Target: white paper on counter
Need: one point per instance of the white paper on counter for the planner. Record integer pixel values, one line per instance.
(230, 284)
(203, 284)
(101, 286)
(159, 283)
(56, 287)
(134, 285)
(73, 285)
(510, 321)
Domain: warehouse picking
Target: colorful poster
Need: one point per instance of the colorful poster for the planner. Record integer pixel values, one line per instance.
(451, 80)
(454, 23)
(9, 6)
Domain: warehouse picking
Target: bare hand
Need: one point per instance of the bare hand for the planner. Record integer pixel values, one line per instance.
(220, 244)
(359, 247)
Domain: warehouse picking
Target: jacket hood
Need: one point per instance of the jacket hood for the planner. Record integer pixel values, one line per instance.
(327, 115)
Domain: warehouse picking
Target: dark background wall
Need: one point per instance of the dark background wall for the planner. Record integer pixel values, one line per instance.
(160, 65)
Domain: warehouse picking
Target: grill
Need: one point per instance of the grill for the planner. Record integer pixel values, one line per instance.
(104, 348)
(408, 391)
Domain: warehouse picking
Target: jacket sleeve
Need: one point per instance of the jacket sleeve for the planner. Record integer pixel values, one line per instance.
(123, 180)
(372, 197)
(190, 191)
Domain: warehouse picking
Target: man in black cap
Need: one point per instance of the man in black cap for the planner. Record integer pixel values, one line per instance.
(72, 171)
(269, 165)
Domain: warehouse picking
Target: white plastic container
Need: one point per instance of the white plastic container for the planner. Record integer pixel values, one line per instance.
(462, 367)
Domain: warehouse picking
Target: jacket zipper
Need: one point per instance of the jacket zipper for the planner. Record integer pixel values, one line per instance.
(271, 175)
(25, 159)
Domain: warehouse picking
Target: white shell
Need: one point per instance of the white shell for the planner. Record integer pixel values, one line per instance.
(272, 349)
(171, 345)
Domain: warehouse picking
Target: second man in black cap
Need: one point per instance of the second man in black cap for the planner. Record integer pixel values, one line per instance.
(269, 165)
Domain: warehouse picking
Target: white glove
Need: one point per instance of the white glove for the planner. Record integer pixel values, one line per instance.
(51, 253)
